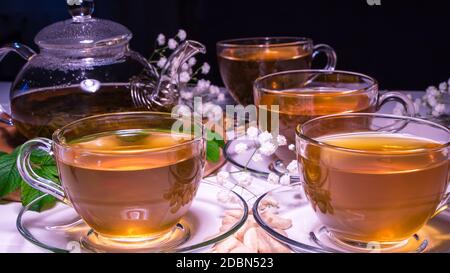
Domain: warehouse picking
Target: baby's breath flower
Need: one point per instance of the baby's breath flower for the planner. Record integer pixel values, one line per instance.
(432, 91)
(440, 108)
(186, 95)
(432, 101)
(181, 34)
(293, 167)
(252, 132)
(161, 62)
(264, 137)
(221, 177)
(443, 87)
(183, 111)
(244, 179)
(184, 77)
(257, 157)
(273, 178)
(192, 61)
(291, 147)
(281, 140)
(161, 40)
(285, 180)
(214, 90)
(240, 148)
(267, 148)
(203, 85)
(185, 67)
(172, 43)
(74, 2)
(221, 97)
(205, 68)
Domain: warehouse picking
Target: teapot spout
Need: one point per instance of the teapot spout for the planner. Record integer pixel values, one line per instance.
(166, 93)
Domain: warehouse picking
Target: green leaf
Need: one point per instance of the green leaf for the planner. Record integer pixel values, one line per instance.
(43, 165)
(212, 151)
(2, 153)
(9, 176)
(42, 158)
(213, 144)
(215, 137)
(29, 194)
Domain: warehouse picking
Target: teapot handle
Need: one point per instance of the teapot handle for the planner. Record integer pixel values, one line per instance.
(24, 52)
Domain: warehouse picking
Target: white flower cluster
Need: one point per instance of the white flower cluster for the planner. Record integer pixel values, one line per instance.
(267, 143)
(209, 110)
(203, 88)
(284, 179)
(243, 179)
(74, 2)
(436, 100)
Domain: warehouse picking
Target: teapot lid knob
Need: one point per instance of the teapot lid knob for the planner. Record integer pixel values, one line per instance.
(80, 10)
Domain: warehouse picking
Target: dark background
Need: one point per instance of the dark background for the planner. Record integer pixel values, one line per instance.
(403, 43)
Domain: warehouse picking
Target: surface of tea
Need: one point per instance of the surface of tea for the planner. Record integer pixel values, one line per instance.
(297, 106)
(132, 183)
(240, 67)
(42, 111)
(384, 193)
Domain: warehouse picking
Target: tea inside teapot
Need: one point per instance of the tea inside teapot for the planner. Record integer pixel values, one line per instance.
(40, 112)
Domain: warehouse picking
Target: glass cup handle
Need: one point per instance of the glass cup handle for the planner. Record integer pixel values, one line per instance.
(407, 103)
(445, 204)
(26, 53)
(329, 52)
(30, 177)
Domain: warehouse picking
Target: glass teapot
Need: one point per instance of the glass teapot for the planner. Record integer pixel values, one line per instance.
(85, 67)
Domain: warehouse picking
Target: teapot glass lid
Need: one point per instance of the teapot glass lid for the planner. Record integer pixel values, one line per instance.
(83, 30)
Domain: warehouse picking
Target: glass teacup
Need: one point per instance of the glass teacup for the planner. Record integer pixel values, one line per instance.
(242, 61)
(301, 95)
(374, 179)
(130, 176)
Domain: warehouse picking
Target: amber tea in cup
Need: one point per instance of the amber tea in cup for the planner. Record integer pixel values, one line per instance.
(306, 94)
(242, 61)
(129, 176)
(380, 181)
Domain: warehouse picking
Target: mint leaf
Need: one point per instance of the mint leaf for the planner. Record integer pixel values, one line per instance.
(215, 137)
(213, 144)
(9, 176)
(29, 194)
(212, 151)
(43, 165)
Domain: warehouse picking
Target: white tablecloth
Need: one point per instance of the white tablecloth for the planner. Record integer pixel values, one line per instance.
(12, 241)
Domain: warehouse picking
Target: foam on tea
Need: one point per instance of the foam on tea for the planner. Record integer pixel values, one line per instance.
(296, 106)
(131, 183)
(240, 67)
(385, 191)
